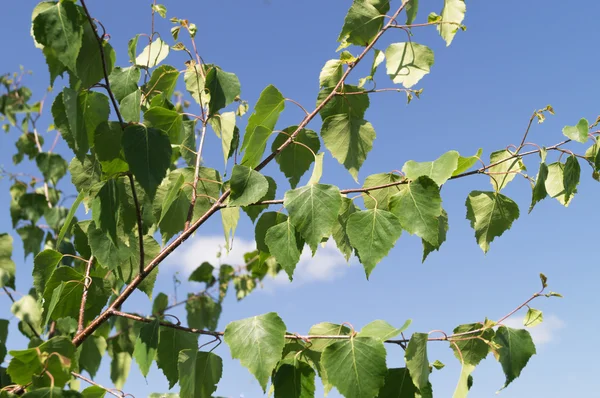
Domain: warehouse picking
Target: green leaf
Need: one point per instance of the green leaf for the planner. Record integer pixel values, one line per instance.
(571, 175)
(59, 27)
(295, 159)
(440, 170)
(255, 210)
(32, 206)
(52, 166)
(506, 171)
(339, 229)
(3, 338)
(105, 209)
(32, 237)
(230, 217)
(473, 347)
(203, 274)
(407, 63)
(283, 245)
(85, 175)
(90, 65)
(491, 214)
(29, 311)
(194, 83)
(417, 362)
(453, 14)
(109, 253)
(247, 186)
(171, 342)
(398, 384)
(202, 312)
(199, 373)
(261, 123)
(124, 81)
(373, 233)
(7, 266)
(44, 265)
(223, 88)
(224, 126)
(555, 186)
(579, 132)
(331, 73)
(348, 101)
(412, 7)
(153, 54)
(160, 304)
(131, 106)
(464, 164)
(516, 347)
(380, 198)
(418, 206)
(533, 318)
(362, 23)
(355, 366)
(92, 350)
(294, 380)
(381, 330)
(539, 189)
(163, 81)
(148, 153)
(465, 381)
(326, 329)
(26, 145)
(313, 210)
(349, 140)
(119, 368)
(443, 230)
(258, 343)
(146, 346)
(171, 122)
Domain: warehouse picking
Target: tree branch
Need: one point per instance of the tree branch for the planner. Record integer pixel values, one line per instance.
(86, 288)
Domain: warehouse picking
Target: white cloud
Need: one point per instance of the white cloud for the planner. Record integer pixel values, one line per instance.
(327, 264)
(543, 333)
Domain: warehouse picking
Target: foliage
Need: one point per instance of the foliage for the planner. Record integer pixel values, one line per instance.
(137, 165)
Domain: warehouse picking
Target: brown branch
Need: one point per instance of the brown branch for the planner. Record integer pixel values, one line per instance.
(104, 68)
(108, 390)
(86, 289)
(138, 216)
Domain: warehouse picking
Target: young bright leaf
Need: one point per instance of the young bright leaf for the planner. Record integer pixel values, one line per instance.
(464, 164)
(153, 54)
(331, 73)
(224, 126)
(230, 217)
(398, 384)
(362, 23)
(247, 186)
(417, 362)
(202, 312)
(124, 81)
(439, 170)
(199, 373)
(295, 159)
(381, 330)
(407, 63)
(453, 14)
(355, 366)
(257, 342)
(146, 346)
(373, 233)
(313, 210)
(171, 342)
(533, 318)
(504, 172)
(571, 175)
(491, 214)
(349, 140)
(539, 189)
(516, 348)
(7, 266)
(90, 65)
(442, 232)
(223, 88)
(317, 172)
(418, 206)
(282, 243)
(44, 265)
(294, 380)
(464, 382)
(59, 27)
(260, 125)
(579, 132)
(148, 152)
(555, 186)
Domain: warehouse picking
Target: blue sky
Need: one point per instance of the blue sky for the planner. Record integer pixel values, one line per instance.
(514, 58)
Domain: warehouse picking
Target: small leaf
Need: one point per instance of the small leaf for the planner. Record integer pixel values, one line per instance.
(571, 175)
(331, 73)
(440, 170)
(258, 343)
(223, 88)
(453, 14)
(579, 132)
(381, 330)
(555, 186)
(44, 265)
(202, 312)
(224, 127)
(516, 348)
(533, 318)
(539, 189)
(491, 214)
(282, 243)
(408, 63)
(506, 171)
(412, 7)
(124, 81)
(295, 159)
(160, 9)
(171, 342)
(146, 346)
(247, 186)
(153, 54)
(362, 22)
(7, 266)
(417, 362)
(465, 164)
(544, 280)
(380, 197)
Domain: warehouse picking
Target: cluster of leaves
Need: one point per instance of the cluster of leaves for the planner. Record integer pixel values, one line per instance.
(141, 174)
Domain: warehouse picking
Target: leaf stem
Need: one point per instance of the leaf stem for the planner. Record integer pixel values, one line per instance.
(190, 214)
(86, 289)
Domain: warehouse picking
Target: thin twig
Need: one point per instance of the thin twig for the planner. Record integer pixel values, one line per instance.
(86, 289)
(138, 214)
(108, 390)
(190, 214)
